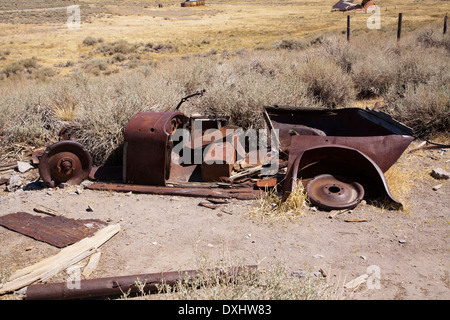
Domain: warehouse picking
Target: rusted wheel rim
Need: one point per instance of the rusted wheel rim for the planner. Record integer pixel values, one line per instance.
(65, 161)
(331, 192)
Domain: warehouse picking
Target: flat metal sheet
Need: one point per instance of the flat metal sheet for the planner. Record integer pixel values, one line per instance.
(57, 231)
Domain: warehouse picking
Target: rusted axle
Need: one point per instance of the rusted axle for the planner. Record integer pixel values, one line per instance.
(112, 286)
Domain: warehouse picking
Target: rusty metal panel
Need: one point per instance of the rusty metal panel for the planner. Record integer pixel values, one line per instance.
(266, 183)
(383, 150)
(218, 161)
(349, 122)
(57, 231)
(147, 149)
(337, 160)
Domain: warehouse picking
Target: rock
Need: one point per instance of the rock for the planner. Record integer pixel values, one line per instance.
(90, 209)
(440, 174)
(437, 187)
(303, 274)
(402, 241)
(299, 273)
(86, 183)
(63, 185)
(318, 256)
(23, 166)
(15, 182)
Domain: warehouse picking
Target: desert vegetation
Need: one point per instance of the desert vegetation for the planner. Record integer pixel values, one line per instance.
(410, 80)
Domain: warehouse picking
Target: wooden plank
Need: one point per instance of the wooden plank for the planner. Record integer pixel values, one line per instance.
(51, 266)
(92, 264)
(8, 166)
(46, 210)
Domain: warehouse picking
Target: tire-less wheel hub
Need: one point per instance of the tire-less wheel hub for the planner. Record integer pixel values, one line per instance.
(65, 162)
(332, 192)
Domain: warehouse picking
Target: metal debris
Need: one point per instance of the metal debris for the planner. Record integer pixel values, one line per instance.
(56, 230)
(218, 161)
(65, 161)
(352, 144)
(139, 283)
(340, 156)
(238, 193)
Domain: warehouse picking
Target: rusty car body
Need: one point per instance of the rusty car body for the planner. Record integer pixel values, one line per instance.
(339, 155)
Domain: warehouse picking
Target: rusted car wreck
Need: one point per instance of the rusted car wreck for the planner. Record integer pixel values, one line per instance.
(339, 155)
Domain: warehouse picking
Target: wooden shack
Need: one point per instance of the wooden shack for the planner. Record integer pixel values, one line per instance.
(193, 3)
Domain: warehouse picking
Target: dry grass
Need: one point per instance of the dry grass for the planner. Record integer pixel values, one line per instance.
(400, 182)
(272, 209)
(224, 25)
(273, 284)
(218, 280)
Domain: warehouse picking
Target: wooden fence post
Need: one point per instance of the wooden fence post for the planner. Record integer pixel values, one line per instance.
(399, 28)
(445, 23)
(348, 28)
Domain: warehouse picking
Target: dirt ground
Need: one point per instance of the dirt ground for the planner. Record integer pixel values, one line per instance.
(408, 251)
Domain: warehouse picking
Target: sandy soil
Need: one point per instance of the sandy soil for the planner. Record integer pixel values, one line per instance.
(408, 250)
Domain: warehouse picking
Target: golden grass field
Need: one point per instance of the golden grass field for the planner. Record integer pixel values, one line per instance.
(220, 25)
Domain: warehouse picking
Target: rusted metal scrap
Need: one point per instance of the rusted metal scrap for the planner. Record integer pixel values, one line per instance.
(56, 230)
(116, 286)
(339, 155)
(235, 193)
(147, 150)
(218, 161)
(65, 161)
(160, 149)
